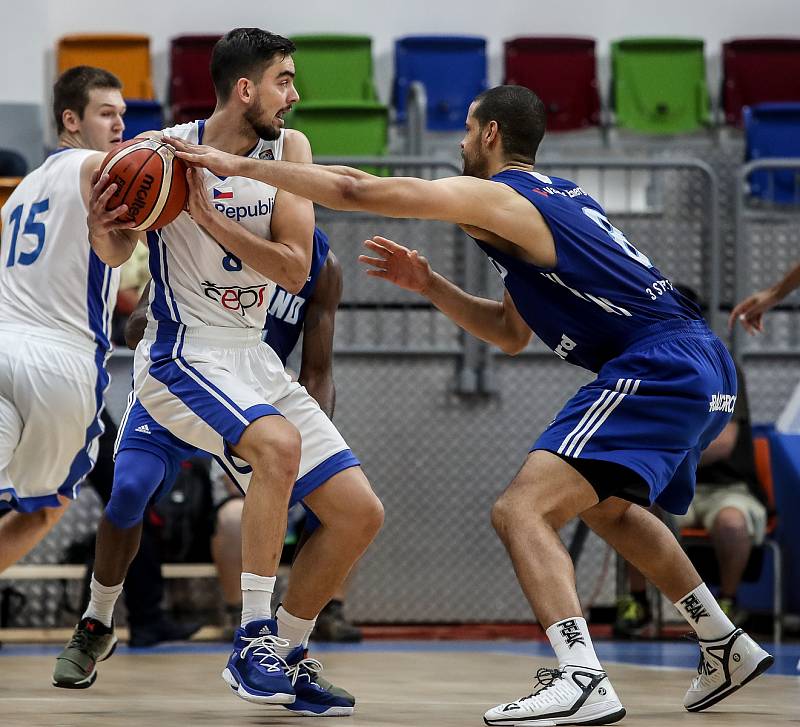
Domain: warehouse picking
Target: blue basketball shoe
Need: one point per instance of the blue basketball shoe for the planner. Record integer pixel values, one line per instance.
(255, 672)
(316, 697)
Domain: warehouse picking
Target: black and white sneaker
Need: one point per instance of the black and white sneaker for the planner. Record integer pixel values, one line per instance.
(725, 665)
(564, 696)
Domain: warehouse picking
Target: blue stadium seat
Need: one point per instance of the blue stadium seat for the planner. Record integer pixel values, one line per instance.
(142, 116)
(452, 69)
(773, 130)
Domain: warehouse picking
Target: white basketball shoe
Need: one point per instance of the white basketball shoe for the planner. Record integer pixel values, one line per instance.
(725, 665)
(568, 695)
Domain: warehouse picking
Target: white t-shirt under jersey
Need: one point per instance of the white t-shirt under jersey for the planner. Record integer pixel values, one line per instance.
(49, 276)
(196, 281)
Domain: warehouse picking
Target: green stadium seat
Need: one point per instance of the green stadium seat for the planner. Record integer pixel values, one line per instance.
(343, 129)
(334, 68)
(659, 85)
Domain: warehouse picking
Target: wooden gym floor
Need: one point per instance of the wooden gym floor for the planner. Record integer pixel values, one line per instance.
(413, 684)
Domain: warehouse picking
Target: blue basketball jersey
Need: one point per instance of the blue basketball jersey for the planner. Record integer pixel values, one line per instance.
(287, 312)
(602, 294)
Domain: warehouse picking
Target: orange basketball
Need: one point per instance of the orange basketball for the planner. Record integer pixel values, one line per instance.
(150, 179)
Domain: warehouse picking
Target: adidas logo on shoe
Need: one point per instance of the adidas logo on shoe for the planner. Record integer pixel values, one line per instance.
(144, 429)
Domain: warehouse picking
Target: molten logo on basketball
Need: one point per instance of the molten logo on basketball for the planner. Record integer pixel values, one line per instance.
(140, 197)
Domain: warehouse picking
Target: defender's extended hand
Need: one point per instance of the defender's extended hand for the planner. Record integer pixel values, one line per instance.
(197, 203)
(405, 268)
(750, 312)
(199, 155)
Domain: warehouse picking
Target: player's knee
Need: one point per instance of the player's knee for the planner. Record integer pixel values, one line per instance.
(133, 487)
(229, 515)
(370, 515)
(504, 516)
(731, 521)
(277, 451)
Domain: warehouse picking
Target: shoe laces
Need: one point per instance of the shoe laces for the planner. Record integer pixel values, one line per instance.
(311, 666)
(263, 648)
(545, 678)
(79, 640)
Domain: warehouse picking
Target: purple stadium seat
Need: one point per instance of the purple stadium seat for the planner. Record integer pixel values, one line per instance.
(191, 91)
(562, 72)
(759, 70)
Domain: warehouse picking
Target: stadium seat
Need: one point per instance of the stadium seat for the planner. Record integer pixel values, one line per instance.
(452, 69)
(12, 164)
(759, 70)
(334, 68)
(191, 92)
(142, 116)
(659, 85)
(562, 72)
(7, 186)
(772, 130)
(343, 129)
(127, 56)
(700, 537)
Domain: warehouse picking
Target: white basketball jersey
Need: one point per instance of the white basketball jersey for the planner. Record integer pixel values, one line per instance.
(196, 281)
(49, 275)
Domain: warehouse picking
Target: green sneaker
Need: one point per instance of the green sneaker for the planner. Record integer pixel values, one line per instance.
(76, 665)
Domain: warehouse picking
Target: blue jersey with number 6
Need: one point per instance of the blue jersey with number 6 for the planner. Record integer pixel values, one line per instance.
(601, 295)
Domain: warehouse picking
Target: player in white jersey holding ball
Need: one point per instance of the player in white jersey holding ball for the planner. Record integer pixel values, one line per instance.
(56, 302)
(203, 374)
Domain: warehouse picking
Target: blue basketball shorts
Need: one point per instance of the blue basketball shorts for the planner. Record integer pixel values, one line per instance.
(652, 410)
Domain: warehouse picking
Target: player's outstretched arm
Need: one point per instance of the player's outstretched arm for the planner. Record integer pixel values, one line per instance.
(316, 368)
(750, 312)
(468, 201)
(112, 240)
(496, 322)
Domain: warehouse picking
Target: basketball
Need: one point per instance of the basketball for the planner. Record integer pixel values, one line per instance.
(150, 179)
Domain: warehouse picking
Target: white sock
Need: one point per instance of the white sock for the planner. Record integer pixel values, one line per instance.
(571, 641)
(101, 602)
(256, 593)
(704, 615)
(295, 630)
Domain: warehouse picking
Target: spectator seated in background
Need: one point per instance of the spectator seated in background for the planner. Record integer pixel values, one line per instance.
(728, 503)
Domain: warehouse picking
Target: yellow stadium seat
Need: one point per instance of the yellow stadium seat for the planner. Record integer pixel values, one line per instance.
(127, 56)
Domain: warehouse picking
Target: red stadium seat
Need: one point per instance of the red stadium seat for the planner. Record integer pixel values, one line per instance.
(191, 91)
(562, 72)
(759, 70)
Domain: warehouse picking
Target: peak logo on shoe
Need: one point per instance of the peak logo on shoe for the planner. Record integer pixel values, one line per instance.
(694, 608)
(511, 707)
(706, 668)
(571, 633)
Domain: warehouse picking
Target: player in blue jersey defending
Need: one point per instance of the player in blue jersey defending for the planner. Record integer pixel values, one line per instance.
(665, 385)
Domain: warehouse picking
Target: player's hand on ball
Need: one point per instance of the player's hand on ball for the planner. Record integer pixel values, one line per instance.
(405, 268)
(750, 312)
(199, 155)
(100, 220)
